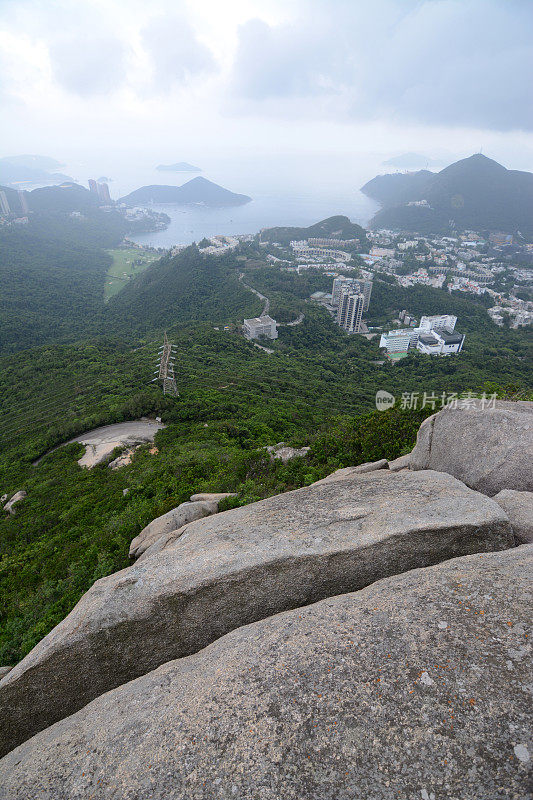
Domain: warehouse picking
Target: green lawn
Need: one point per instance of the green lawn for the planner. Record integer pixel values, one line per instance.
(127, 262)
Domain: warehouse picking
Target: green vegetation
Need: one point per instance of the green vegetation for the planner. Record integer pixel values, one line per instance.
(338, 227)
(127, 263)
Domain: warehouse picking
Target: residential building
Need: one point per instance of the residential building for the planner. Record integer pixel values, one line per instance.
(93, 186)
(260, 326)
(358, 285)
(23, 202)
(103, 192)
(350, 310)
(4, 204)
(438, 322)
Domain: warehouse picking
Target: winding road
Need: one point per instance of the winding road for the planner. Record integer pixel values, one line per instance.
(266, 305)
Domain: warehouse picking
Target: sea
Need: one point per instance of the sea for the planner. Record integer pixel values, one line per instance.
(292, 189)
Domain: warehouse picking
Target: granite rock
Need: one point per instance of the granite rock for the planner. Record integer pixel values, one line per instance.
(487, 448)
(519, 508)
(416, 687)
(171, 521)
(240, 566)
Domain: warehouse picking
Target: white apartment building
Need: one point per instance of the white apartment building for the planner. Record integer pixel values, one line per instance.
(434, 323)
(260, 326)
(350, 310)
(398, 341)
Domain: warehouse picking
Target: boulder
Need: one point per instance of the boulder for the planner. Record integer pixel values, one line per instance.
(171, 521)
(164, 541)
(519, 508)
(400, 463)
(9, 506)
(212, 497)
(370, 466)
(416, 687)
(487, 448)
(240, 566)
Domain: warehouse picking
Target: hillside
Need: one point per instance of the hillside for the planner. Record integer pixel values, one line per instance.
(400, 187)
(182, 288)
(196, 191)
(474, 193)
(337, 227)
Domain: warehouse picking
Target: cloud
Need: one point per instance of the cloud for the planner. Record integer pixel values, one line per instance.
(175, 51)
(88, 65)
(443, 62)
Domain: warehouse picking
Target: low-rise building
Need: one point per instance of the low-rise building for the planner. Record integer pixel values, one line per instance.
(260, 326)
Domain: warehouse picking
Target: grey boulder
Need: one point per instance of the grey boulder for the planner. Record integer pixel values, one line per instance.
(240, 566)
(416, 687)
(519, 508)
(489, 449)
(171, 521)
(10, 505)
(212, 497)
(400, 463)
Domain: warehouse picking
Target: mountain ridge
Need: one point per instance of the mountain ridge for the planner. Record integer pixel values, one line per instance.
(199, 190)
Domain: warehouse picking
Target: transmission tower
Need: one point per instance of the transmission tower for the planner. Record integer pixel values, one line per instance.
(165, 372)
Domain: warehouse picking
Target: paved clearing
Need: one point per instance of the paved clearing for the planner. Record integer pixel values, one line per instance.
(100, 442)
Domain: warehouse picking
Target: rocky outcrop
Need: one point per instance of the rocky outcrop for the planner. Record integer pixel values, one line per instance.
(286, 453)
(172, 521)
(489, 449)
(415, 687)
(519, 508)
(10, 505)
(400, 463)
(234, 568)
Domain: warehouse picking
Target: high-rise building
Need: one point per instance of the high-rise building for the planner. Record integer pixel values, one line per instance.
(350, 310)
(93, 186)
(23, 202)
(358, 285)
(103, 192)
(4, 204)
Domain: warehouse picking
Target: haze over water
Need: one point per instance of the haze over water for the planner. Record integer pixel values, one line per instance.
(291, 189)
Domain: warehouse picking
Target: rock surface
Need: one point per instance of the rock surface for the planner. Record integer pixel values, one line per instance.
(311, 704)
(4, 671)
(240, 566)
(371, 466)
(9, 506)
(284, 452)
(400, 463)
(489, 449)
(519, 508)
(212, 497)
(171, 521)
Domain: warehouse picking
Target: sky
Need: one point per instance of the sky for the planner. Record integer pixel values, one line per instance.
(178, 78)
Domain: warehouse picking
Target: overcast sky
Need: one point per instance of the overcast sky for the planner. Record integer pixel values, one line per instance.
(180, 77)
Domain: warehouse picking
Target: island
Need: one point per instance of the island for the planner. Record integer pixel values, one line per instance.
(198, 191)
(180, 166)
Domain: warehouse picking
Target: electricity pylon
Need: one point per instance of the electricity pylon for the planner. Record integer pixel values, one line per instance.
(165, 372)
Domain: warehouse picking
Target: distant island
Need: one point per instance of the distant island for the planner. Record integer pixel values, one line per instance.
(180, 166)
(198, 191)
(28, 169)
(412, 161)
(474, 193)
